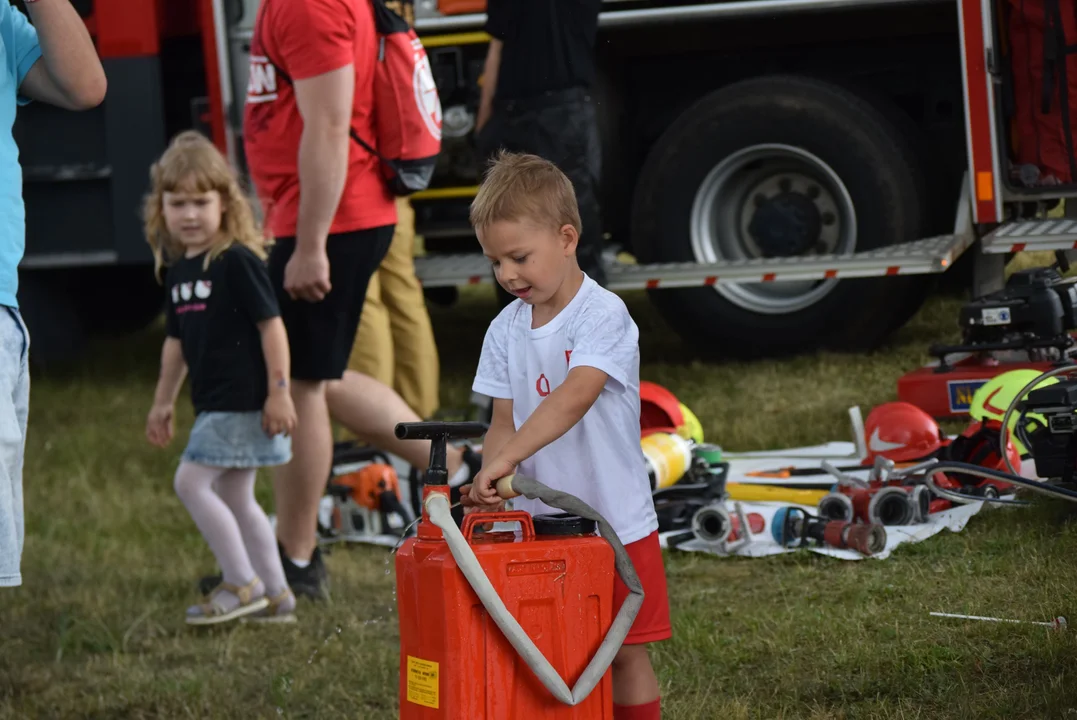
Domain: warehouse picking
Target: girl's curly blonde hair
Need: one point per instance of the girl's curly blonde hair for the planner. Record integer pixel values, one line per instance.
(193, 164)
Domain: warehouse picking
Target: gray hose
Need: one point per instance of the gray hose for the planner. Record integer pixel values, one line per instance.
(437, 506)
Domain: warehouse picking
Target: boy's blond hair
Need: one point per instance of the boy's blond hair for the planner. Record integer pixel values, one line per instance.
(520, 187)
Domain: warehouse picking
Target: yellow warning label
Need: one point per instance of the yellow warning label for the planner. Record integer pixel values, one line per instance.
(422, 682)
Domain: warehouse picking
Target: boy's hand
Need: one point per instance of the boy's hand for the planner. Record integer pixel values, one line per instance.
(483, 493)
(159, 424)
(471, 507)
(278, 415)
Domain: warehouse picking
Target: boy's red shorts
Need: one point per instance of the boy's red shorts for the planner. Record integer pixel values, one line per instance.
(652, 621)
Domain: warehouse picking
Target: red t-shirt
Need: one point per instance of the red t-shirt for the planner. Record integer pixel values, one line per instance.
(306, 38)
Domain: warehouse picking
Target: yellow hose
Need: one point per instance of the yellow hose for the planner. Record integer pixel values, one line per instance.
(769, 493)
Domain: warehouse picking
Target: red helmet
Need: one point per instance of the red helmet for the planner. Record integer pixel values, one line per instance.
(901, 432)
(660, 411)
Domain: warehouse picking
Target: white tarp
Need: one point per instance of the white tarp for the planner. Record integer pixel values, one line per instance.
(763, 544)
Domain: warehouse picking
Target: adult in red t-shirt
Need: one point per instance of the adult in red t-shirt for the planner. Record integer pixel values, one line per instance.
(311, 82)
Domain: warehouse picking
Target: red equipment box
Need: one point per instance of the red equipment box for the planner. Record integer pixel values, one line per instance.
(948, 394)
(454, 660)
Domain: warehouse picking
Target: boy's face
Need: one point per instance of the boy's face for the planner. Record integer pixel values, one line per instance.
(530, 261)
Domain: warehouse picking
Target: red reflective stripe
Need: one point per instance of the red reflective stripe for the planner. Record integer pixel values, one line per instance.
(1017, 247)
(213, 78)
(831, 274)
(474, 280)
(769, 277)
(711, 280)
(892, 270)
(979, 112)
(652, 284)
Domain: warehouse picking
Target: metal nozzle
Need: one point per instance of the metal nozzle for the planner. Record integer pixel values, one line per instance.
(836, 506)
(890, 506)
(711, 523)
(865, 539)
(920, 498)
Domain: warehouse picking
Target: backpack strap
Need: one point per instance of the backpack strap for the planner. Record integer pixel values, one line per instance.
(287, 78)
(1055, 53)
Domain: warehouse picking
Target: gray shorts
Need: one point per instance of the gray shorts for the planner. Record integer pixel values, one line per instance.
(14, 407)
(235, 440)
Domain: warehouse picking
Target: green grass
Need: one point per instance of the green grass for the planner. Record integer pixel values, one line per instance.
(111, 560)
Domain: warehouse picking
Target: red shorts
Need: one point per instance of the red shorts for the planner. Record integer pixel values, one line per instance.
(652, 621)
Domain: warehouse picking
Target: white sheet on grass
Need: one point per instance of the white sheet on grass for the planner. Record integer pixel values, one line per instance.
(763, 544)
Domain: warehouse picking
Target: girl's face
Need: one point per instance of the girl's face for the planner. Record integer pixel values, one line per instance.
(193, 218)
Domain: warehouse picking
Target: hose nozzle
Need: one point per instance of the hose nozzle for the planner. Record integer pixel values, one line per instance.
(711, 523)
(836, 506)
(865, 539)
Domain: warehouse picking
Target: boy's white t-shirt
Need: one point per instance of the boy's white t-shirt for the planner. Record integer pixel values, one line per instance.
(599, 460)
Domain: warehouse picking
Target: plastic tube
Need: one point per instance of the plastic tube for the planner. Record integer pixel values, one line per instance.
(993, 475)
(437, 507)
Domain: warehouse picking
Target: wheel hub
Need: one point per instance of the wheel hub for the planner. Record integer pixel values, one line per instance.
(786, 225)
(772, 201)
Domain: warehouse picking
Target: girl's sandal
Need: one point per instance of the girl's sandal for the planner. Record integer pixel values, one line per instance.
(272, 613)
(212, 612)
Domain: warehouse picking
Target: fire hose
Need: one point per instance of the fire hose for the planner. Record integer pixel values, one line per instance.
(437, 507)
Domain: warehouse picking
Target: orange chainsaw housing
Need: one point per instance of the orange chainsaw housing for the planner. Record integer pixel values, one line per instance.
(454, 660)
(369, 482)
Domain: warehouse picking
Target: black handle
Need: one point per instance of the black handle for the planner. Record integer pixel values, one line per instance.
(439, 433)
(434, 430)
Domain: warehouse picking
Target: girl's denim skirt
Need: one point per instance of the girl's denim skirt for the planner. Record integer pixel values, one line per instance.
(235, 440)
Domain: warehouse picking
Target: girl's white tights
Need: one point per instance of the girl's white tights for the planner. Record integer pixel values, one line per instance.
(221, 503)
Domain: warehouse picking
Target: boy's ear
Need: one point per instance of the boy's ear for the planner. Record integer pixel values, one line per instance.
(569, 239)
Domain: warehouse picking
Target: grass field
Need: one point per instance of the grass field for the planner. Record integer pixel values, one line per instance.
(111, 561)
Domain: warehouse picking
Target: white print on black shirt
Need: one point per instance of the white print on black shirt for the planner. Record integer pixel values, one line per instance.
(201, 289)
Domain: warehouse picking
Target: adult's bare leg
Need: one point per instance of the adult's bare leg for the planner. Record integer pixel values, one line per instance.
(371, 410)
(299, 485)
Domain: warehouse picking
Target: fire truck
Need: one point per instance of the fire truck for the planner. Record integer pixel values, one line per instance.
(778, 175)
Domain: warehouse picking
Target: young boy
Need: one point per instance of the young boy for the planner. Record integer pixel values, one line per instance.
(562, 365)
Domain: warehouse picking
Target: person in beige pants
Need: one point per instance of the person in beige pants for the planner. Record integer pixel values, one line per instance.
(395, 341)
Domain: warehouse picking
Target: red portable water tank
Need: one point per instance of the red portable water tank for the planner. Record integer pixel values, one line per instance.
(554, 575)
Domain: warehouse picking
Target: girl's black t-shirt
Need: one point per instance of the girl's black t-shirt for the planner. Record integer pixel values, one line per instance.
(214, 313)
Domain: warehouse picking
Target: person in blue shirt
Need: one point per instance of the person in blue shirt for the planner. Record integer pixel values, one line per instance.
(49, 58)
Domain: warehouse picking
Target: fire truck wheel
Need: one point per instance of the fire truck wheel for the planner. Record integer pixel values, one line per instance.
(781, 166)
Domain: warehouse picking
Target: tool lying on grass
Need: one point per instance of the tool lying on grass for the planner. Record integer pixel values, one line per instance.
(1059, 623)
(556, 576)
(365, 495)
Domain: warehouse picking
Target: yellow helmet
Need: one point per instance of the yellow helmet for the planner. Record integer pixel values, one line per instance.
(990, 401)
(692, 429)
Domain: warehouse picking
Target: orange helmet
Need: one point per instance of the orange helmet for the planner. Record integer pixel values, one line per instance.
(901, 432)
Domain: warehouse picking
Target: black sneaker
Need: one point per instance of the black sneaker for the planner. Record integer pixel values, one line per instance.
(312, 580)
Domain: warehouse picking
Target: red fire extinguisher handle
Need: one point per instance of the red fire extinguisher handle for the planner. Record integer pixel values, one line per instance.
(527, 525)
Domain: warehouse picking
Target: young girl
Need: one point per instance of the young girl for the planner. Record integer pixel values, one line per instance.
(224, 327)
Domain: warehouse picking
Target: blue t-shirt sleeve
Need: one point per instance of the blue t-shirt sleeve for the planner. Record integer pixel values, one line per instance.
(20, 37)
